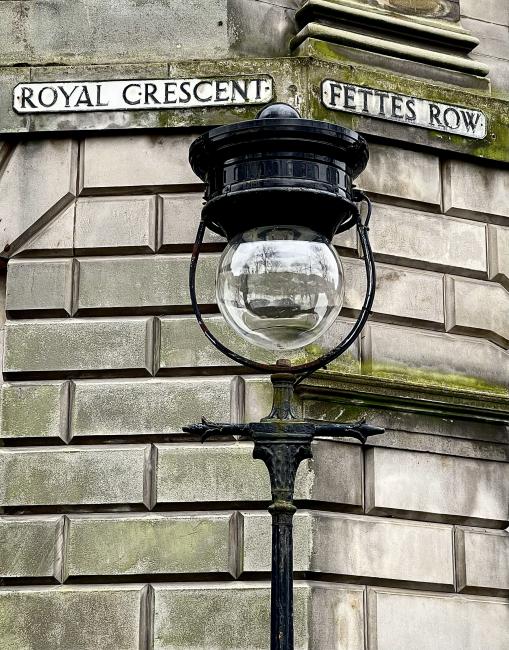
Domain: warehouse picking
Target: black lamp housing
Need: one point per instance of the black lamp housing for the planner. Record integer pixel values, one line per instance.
(279, 169)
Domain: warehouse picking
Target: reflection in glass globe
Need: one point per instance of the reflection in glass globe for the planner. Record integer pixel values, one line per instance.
(280, 287)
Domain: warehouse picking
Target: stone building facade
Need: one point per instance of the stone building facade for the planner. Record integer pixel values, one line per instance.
(118, 531)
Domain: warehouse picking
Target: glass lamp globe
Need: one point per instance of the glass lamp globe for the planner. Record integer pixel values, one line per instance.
(280, 287)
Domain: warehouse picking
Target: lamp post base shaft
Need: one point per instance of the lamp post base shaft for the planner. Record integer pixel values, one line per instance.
(282, 455)
(281, 632)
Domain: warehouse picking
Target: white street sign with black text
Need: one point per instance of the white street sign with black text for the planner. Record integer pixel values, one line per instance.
(136, 94)
(411, 111)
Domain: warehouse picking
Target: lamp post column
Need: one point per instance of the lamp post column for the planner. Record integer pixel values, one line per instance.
(282, 441)
(281, 605)
(282, 446)
(282, 453)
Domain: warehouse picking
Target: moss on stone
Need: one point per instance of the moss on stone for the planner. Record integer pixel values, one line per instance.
(32, 410)
(325, 61)
(347, 362)
(434, 378)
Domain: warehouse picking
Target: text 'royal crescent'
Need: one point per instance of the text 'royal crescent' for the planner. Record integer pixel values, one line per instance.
(136, 94)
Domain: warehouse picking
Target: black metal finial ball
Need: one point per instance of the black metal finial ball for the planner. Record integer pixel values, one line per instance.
(278, 110)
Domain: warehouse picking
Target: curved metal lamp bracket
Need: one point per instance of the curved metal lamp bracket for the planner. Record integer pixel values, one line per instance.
(302, 370)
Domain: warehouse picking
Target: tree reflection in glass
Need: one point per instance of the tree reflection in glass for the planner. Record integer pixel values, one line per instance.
(280, 287)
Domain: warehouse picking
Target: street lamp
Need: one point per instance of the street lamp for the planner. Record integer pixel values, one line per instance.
(279, 188)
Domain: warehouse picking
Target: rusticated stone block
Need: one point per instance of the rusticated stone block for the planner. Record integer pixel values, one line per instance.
(38, 476)
(364, 548)
(420, 239)
(183, 345)
(399, 621)
(257, 536)
(214, 472)
(109, 408)
(42, 287)
(346, 239)
(131, 544)
(34, 410)
(472, 190)
(130, 162)
(401, 293)
(463, 297)
(325, 616)
(78, 346)
(493, 37)
(43, 174)
(138, 283)
(337, 617)
(54, 239)
(240, 612)
(258, 398)
(227, 472)
(433, 357)
(402, 176)
(398, 551)
(482, 560)
(181, 214)
(30, 547)
(71, 617)
(498, 251)
(117, 223)
(334, 474)
(437, 487)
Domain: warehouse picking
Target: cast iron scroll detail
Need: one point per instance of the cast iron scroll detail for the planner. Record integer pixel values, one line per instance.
(358, 430)
(282, 458)
(282, 441)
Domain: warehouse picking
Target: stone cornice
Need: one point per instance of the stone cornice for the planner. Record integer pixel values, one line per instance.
(297, 80)
(433, 42)
(389, 48)
(448, 35)
(365, 391)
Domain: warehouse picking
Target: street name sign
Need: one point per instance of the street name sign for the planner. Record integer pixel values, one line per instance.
(408, 110)
(136, 94)
(161, 94)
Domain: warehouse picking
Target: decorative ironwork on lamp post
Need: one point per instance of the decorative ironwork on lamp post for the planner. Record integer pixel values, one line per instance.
(279, 188)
